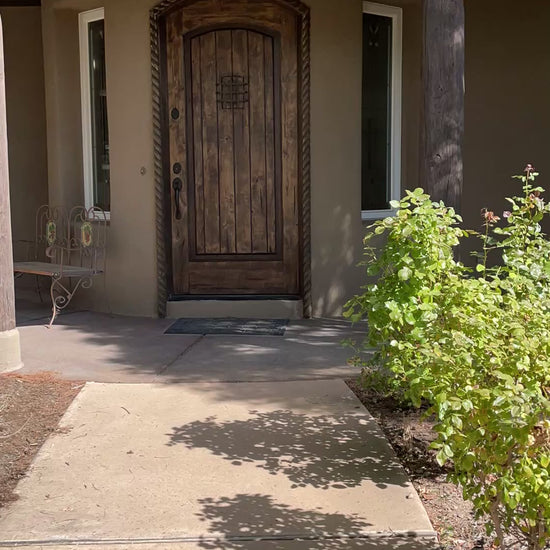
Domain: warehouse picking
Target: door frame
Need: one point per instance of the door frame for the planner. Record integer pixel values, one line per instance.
(161, 147)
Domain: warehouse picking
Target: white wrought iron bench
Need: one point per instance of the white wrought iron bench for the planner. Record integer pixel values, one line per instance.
(69, 248)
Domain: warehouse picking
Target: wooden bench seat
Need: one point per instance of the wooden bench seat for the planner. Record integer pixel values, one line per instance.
(53, 270)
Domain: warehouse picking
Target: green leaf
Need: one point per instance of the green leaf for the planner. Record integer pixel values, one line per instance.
(499, 401)
(448, 451)
(441, 457)
(457, 422)
(405, 274)
(407, 231)
(468, 461)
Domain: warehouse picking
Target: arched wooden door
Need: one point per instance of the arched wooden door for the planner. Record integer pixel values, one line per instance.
(232, 107)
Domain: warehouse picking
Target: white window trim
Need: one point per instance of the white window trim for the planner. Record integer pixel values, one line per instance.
(396, 15)
(84, 18)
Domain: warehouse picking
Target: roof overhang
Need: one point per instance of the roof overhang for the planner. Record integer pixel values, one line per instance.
(19, 3)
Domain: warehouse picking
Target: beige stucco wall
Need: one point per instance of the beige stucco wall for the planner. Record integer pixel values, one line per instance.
(507, 121)
(336, 66)
(26, 117)
(131, 268)
(335, 141)
(507, 124)
(63, 107)
(507, 100)
(337, 230)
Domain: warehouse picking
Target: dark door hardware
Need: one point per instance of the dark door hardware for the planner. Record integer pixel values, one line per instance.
(177, 185)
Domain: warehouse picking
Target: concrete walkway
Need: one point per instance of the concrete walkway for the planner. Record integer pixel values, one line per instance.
(213, 442)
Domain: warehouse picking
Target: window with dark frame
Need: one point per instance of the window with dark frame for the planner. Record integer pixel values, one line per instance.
(377, 112)
(98, 114)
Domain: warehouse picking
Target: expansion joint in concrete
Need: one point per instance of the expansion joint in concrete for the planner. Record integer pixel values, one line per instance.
(180, 356)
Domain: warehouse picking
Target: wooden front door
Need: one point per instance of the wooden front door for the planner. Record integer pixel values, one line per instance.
(232, 111)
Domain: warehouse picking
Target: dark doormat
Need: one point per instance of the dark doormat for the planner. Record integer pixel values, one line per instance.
(249, 327)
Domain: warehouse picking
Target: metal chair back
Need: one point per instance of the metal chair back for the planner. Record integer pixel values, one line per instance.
(87, 231)
(51, 233)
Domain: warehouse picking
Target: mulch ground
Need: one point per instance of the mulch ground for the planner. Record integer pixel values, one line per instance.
(410, 436)
(30, 409)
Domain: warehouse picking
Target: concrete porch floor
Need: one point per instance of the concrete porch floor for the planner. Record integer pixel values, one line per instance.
(208, 442)
(108, 348)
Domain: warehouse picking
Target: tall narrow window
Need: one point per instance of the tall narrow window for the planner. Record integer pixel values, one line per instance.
(95, 129)
(381, 110)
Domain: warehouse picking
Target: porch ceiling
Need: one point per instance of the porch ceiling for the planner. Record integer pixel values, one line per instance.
(19, 3)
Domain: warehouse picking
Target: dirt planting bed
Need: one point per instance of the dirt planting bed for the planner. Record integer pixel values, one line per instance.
(30, 409)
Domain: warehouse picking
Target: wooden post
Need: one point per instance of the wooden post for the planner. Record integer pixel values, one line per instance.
(10, 352)
(443, 74)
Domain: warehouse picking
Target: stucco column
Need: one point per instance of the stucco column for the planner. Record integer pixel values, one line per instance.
(10, 349)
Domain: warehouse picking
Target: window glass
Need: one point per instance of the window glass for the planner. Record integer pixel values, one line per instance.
(98, 105)
(376, 112)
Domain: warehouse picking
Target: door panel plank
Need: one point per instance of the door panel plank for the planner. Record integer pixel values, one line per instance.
(198, 161)
(210, 144)
(271, 221)
(240, 278)
(225, 147)
(257, 137)
(241, 138)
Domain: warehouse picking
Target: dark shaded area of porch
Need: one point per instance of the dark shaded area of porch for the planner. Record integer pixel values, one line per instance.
(109, 348)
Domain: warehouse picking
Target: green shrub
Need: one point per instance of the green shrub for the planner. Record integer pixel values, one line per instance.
(472, 344)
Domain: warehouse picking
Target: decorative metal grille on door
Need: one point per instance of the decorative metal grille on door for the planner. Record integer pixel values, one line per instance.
(232, 92)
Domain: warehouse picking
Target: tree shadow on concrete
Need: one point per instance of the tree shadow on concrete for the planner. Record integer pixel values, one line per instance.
(326, 452)
(103, 348)
(261, 523)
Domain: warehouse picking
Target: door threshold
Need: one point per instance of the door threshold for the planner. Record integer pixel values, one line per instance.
(232, 297)
(258, 307)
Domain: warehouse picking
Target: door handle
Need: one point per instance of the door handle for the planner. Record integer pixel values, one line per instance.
(177, 185)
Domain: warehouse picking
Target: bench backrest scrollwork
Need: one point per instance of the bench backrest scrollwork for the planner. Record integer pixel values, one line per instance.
(51, 233)
(87, 231)
(76, 237)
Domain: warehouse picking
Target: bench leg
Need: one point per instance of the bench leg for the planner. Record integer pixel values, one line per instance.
(62, 296)
(54, 314)
(39, 290)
